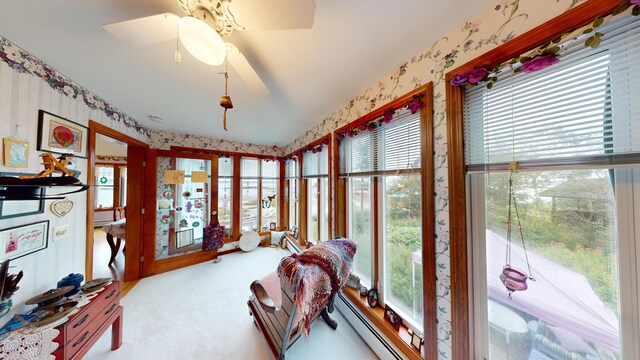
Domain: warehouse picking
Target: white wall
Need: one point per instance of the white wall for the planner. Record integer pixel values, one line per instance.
(22, 95)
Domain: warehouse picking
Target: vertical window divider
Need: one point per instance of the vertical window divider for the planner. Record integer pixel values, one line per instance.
(237, 184)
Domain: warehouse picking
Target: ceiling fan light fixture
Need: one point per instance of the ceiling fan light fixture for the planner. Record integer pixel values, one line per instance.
(202, 41)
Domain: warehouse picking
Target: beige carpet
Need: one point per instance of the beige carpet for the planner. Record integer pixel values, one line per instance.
(200, 312)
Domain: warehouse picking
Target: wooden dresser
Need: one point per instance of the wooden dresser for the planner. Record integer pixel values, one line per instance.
(85, 327)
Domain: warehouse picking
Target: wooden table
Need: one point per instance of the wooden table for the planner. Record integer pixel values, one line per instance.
(83, 329)
(118, 230)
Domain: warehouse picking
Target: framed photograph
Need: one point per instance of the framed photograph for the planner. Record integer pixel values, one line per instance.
(16, 153)
(372, 298)
(23, 240)
(295, 233)
(62, 136)
(272, 226)
(16, 208)
(392, 317)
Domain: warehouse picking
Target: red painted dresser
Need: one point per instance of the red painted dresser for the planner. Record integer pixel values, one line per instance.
(85, 327)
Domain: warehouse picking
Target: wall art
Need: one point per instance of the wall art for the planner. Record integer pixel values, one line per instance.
(60, 208)
(59, 135)
(16, 208)
(23, 240)
(16, 153)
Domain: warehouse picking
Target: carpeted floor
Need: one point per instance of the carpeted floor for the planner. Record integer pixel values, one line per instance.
(200, 312)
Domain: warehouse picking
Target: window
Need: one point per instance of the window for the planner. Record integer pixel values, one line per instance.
(225, 193)
(259, 205)
(291, 174)
(105, 191)
(315, 171)
(383, 167)
(112, 186)
(269, 203)
(567, 125)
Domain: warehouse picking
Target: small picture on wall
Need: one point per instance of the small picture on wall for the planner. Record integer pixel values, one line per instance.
(23, 240)
(62, 136)
(16, 153)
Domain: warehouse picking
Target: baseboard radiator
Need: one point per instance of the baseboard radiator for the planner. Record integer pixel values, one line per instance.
(377, 341)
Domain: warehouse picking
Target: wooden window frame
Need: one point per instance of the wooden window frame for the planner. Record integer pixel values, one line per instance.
(303, 189)
(260, 178)
(425, 93)
(236, 185)
(116, 186)
(460, 292)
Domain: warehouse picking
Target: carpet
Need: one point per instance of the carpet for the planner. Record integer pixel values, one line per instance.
(200, 312)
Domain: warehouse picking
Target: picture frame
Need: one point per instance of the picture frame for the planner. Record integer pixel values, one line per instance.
(416, 340)
(372, 298)
(16, 153)
(295, 233)
(392, 317)
(62, 136)
(272, 226)
(16, 208)
(22, 240)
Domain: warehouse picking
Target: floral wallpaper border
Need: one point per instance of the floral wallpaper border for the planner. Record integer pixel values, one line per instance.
(161, 139)
(25, 63)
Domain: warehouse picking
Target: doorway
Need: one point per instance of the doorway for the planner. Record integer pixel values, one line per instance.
(109, 206)
(115, 176)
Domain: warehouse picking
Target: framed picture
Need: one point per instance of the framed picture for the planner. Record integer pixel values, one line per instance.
(392, 317)
(23, 240)
(295, 233)
(62, 136)
(16, 208)
(16, 153)
(272, 226)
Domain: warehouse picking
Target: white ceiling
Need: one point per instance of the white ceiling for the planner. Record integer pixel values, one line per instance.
(310, 72)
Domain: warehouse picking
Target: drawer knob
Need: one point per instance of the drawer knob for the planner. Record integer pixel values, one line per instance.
(110, 295)
(110, 309)
(81, 339)
(84, 318)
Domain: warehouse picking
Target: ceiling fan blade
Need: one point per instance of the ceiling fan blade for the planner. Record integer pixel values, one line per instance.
(273, 14)
(246, 71)
(147, 30)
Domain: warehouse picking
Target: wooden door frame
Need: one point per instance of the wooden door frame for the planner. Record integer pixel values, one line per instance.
(133, 269)
(151, 266)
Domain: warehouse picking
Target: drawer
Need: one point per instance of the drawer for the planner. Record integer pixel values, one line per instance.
(80, 321)
(98, 318)
(89, 312)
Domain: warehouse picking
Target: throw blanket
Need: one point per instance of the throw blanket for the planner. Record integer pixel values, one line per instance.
(315, 275)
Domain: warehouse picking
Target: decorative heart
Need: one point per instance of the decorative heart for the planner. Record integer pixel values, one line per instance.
(61, 207)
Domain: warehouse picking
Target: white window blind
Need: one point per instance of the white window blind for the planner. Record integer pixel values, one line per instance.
(315, 164)
(388, 148)
(291, 168)
(582, 109)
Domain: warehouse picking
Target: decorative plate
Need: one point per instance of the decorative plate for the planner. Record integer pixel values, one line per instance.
(94, 285)
(249, 241)
(49, 297)
(43, 317)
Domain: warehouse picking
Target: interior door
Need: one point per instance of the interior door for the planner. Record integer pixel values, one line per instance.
(178, 206)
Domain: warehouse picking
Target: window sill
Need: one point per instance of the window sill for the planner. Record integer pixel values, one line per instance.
(401, 338)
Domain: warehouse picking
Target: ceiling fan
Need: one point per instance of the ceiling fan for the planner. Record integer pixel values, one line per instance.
(206, 22)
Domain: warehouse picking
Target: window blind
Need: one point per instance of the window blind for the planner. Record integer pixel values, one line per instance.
(291, 168)
(315, 164)
(582, 109)
(388, 148)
